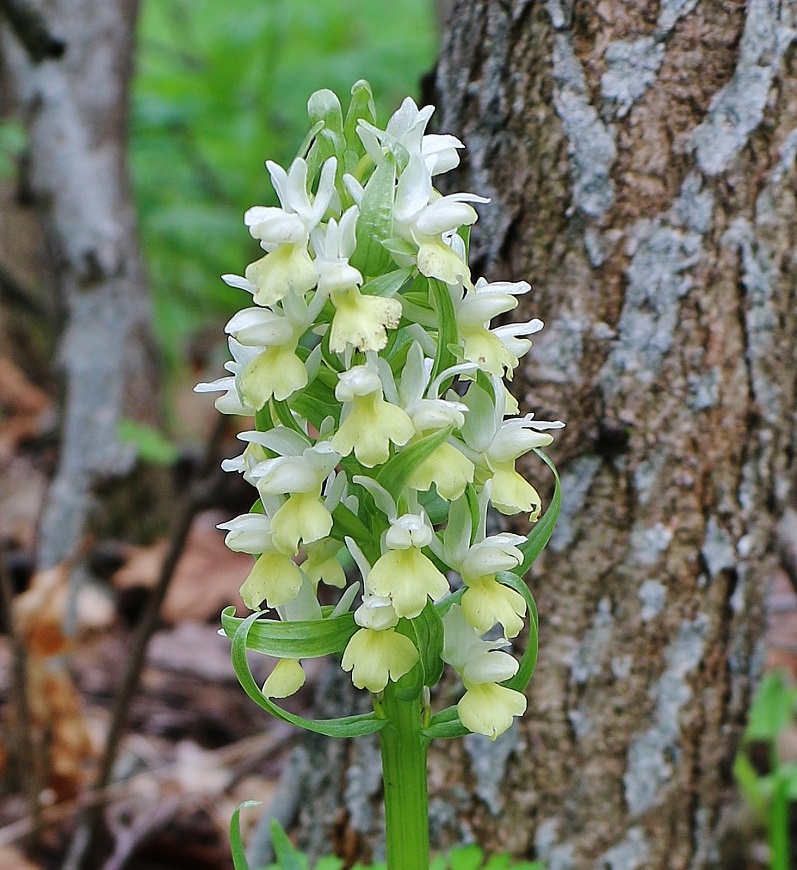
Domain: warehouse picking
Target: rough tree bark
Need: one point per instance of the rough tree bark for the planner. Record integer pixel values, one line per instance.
(641, 163)
(640, 158)
(76, 111)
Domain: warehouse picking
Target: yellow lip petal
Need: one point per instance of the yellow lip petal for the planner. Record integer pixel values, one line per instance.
(374, 657)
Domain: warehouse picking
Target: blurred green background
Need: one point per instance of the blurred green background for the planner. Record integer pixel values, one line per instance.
(219, 89)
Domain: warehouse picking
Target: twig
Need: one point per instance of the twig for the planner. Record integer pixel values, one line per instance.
(22, 732)
(283, 808)
(787, 544)
(18, 294)
(32, 31)
(197, 496)
(260, 746)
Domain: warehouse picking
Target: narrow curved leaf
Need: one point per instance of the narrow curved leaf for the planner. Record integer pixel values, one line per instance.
(236, 841)
(396, 472)
(293, 640)
(542, 531)
(349, 726)
(529, 658)
(447, 335)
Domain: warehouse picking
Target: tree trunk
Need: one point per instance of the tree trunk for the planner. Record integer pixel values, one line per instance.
(640, 159)
(641, 163)
(76, 110)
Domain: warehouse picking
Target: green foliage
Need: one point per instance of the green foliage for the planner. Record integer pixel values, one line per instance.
(770, 792)
(12, 143)
(152, 446)
(219, 89)
(290, 858)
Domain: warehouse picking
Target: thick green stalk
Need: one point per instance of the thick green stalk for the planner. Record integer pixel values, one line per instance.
(404, 751)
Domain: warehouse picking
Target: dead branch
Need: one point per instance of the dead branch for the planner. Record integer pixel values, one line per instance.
(197, 495)
(241, 753)
(21, 730)
(787, 544)
(31, 29)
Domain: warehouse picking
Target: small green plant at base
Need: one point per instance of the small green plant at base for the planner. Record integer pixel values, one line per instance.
(771, 792)
(383, 427)
(290, 858)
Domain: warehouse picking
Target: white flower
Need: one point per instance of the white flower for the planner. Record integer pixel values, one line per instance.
(403, 574)
(497, 351)
(371, 423)
(406, 127)
(231, 402)
(303, 517)
(489, 709)
(421, 217)
(495, 444)
(360, 321)
(497, 553)
(285, 680)
(285, 232)
(275, 578)
(374, 657)
(273, 368)
(486, 707)
(248, 533)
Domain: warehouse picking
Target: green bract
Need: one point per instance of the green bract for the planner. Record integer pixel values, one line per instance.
(382, 424)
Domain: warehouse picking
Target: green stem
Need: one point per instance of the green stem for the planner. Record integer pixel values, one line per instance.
(404, 774)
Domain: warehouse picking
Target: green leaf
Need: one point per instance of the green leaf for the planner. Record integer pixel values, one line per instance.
(263, 419)
(293, 640)
(375, 222)
(315, 403)
(348, 726)
(466, 858)
(283, 412)
(288, 856)
(772, 710)
(346, 523)
(152, 446)
(445, 725)
(529, 658)
(426, 633)
(428, 638)
(542, 531)
(361, 107)
(388, 284)
(324, 106)
(447, 335)
(397, 471)
(236, 842)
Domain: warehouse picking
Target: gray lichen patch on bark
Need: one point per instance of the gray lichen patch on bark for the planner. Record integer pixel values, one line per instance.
(718, 548)
(631, 68)
(737, 110)
(631, 853)
(589, 657)
(488, 761)
(653, 754)
(653, 595)
(576, 481)
(591, 145)
(664, 250)
(556, 855)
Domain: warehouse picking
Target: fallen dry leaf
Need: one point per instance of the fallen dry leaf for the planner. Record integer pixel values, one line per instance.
(58, 727)
(28, 409)
(13, 859)
(207, 577)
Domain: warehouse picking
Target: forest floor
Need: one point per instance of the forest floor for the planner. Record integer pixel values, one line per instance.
(195, 746)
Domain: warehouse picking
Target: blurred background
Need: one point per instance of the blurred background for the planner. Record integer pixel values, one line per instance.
(132, 138)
